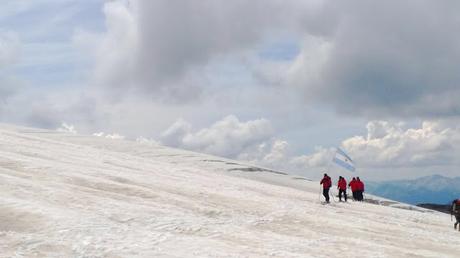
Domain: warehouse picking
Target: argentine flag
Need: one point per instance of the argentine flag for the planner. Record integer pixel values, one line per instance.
(343, 160)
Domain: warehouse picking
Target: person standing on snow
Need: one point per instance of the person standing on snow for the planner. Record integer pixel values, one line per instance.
(359, 189)
(352, 185)
(455, 210)
(342, 186)
(327, 183)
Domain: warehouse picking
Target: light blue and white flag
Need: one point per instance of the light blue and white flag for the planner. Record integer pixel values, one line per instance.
(343, 160)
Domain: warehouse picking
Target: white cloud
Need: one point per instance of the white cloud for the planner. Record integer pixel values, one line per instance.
(306, 70)
(389, 148)
(117, 49)
(270, 153)
(321, 158)
(114, 136)
(174, 136)
(66, 128)
(228, 137)
(147, 141)
(393, 146)
(252, 141)
(277, 153)
(390, 145)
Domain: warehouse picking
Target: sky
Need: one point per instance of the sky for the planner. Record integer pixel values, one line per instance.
(277, 83)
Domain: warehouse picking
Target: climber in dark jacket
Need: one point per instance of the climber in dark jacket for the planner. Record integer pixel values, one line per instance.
(455, 210)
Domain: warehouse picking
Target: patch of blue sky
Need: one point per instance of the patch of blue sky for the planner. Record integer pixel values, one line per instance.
(49, 21)
(227, 72)
(280, 50)
(45, 28)
(51, 77)
(49, 64)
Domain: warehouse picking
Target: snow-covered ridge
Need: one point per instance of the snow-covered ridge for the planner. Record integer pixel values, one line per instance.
(69, 195)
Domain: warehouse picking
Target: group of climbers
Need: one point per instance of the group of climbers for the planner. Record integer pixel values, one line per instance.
(356, 186)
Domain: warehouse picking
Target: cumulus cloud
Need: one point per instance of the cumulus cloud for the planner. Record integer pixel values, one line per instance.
(277, 154)
(321, 158)
(67, 128)
(114, 136)
(252, 141)
(228, 137)
(271, 153)
(174, 136)
(147, 141)
(391, 145)
(430, 145)
(386, 145)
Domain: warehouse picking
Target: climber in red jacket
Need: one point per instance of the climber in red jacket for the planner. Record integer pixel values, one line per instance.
(352, 185)
(342, 186)
(359, 189)
(327, 183)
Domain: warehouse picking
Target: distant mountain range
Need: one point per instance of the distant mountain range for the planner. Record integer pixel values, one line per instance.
(434, 189)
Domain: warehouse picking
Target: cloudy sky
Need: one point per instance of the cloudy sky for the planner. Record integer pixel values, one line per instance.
(274, 82)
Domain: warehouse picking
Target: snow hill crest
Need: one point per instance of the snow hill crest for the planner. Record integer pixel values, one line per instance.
(69, 195)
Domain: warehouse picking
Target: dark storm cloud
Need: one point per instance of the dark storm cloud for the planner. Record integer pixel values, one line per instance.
(177, 34)
(383, 59)
(393, 58)
(156, 45)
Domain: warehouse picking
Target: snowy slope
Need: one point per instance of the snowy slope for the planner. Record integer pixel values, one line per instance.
(66, 195)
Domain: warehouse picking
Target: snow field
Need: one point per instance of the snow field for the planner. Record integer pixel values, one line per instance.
(82, 196)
